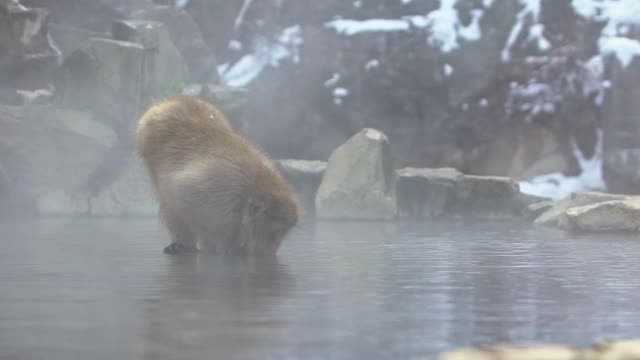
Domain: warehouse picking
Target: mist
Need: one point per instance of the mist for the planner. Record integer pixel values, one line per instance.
(461, 161)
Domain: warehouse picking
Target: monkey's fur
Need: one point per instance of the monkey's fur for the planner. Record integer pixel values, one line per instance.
(214, 188)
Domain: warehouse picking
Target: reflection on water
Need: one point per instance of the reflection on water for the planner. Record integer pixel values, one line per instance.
(102, 289)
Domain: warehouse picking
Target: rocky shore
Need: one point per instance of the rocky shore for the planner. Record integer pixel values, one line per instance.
(606, 350)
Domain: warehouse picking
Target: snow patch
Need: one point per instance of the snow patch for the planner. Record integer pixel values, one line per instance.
(445, 28)
(618, 16)
(353, 27)
(333, 80)
(338, 94)
(371, 64)
(558, 185)
(244, 71)
(448, 70)
(624, 49)
(374, 134)
(530, 12)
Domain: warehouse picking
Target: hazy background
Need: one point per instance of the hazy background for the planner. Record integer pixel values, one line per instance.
(543, 91)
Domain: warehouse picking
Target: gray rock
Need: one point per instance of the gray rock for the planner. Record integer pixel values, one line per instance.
(615, 215)
(486, 196)
(556, 215)
(622, 170)
(231, 100)
(107, 77)
(26, 56)
(509, 352)
(165, 71)
(186, 35)
(68, 39)
(48, 152)
(621, 128)
(130, 195)
(360, 180)
(536, 209)
(426, 192)
(305, 177)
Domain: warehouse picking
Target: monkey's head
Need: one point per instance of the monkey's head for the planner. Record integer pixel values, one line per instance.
(268, 218)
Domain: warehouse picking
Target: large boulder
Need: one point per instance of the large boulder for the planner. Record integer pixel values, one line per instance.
(165, 71)
(616, 215)
(26, 56)
(486, 196)
(604, 350)
(131, 194)
(305, 177)
(67, 39)
(95, 16)
(620, 111)
(555, 216)
(186, 35)
(108, 78)
(360, 180)
(508, 352)
(46, 150)
(426, 192)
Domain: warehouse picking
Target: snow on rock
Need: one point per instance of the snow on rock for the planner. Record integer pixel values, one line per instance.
(618, 16)
(448, 70)
(530, 12)
(443, 26)
(624, 49)
(285, 47)
(558, 185)
(372, 64)
(353, 27)
(338, 94)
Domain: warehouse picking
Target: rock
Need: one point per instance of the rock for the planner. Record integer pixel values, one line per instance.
(614, 350)
(506, 352)
(556, 215)
(48, 152)
(94, 16)
(621, 129)
(529, 206)
(231, 100)
(615, 215)
(536, 209)
(486, 196)
(26, 56)
(426, 192)
(622, 170)
(130, 195)
(360, 180)
(608, 350)
(305, 177)
(165, 71)
(186, 35)
(67, 38)
(107, 77)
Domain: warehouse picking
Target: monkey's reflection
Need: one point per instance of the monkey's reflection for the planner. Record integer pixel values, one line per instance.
(213, 307)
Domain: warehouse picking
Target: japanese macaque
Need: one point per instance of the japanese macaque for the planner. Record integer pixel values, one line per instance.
(216, 191)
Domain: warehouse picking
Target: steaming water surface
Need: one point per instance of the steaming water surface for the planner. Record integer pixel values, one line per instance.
(102, 289)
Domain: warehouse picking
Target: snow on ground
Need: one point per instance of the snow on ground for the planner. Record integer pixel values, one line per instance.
(618, 16)
(285, 47)
(558, 185)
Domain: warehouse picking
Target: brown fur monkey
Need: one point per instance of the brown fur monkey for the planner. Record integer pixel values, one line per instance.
(214, 188)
